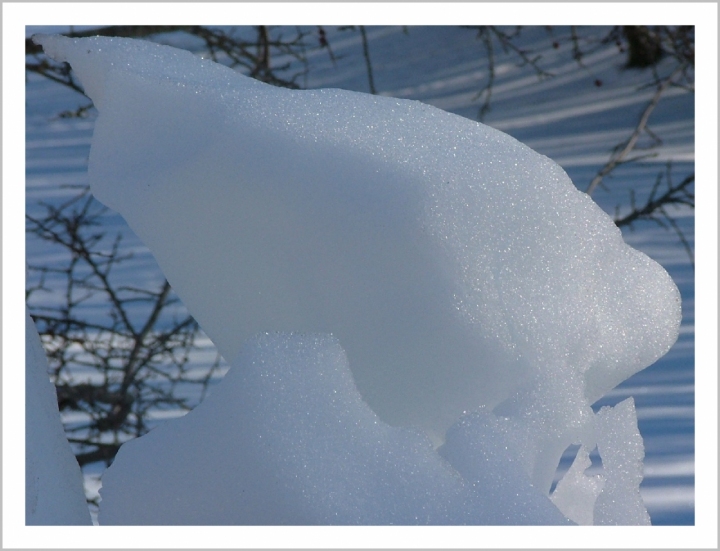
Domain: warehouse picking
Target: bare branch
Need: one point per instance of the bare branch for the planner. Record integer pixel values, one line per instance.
(674, 195)
(368, 63)
(654, 208)
(620, 155)
(134, 371)
(488, 34)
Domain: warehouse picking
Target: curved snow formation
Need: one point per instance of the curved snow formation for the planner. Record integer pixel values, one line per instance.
(457, 268)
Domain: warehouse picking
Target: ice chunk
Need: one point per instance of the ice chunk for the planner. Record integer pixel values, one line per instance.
(612, 497)
(622, 451)
(482, 448)
(287, 439)
(53, 482)
(576, 493)
(456, 266)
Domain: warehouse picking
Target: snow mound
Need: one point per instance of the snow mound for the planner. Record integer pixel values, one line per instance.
(459, 270)
(53, 482)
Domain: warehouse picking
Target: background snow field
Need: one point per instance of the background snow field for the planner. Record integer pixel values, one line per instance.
(422, 316)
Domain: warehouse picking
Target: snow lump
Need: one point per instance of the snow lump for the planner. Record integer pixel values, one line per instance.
(462, 274)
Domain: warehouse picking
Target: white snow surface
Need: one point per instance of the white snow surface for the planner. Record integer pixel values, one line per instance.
(287, 439)
(53, 482)
(467, 280)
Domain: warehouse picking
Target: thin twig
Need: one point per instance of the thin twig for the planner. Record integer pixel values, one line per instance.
(619, 156)
(368, 63)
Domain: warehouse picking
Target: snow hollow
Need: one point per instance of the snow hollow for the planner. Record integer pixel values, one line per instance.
(419, 310)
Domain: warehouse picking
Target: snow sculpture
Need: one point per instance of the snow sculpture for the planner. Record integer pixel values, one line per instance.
(53, 482)
(457, 268)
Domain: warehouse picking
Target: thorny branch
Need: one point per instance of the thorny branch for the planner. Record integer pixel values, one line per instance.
(115, 370)
(654, 208)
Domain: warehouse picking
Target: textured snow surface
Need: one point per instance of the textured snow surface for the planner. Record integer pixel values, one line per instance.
(287, 439)
(459, 270)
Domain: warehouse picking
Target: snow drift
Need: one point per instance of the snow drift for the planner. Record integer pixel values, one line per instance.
(461, 272)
